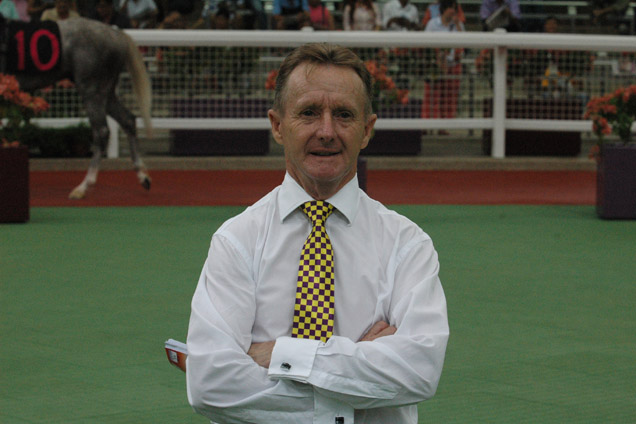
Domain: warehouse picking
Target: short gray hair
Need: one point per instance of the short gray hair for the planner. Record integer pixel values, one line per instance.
(322, 54)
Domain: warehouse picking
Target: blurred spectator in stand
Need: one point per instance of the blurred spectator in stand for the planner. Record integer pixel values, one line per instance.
(174, 14)
(35, 8)
(551, 25)
(21, 7)
(62, 10)
(400, 15)
(432, 11)
(611, 14)
(87, 8)
(173, 20)
(533, 16)
(361, 15)
(8, 10)
(142, 13)
(320, 17)
(443, 93)
(231, 14)
(500, 14)
(290, 14)
(106, 13)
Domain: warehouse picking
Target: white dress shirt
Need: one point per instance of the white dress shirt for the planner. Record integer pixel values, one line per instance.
(386, 269)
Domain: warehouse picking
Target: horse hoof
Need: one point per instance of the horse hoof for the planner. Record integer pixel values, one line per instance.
(76, 194)
(146, 183)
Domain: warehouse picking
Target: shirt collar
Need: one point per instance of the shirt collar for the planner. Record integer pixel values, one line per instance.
(292, 195)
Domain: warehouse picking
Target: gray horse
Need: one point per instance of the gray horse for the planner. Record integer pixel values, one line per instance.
(93, 56)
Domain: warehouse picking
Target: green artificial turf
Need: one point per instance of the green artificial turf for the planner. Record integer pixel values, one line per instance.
(541, 308)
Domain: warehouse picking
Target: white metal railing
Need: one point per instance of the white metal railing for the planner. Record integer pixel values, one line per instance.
(499, 42)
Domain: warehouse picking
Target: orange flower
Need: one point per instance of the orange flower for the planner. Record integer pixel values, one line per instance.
(270, 83)
(613, 113)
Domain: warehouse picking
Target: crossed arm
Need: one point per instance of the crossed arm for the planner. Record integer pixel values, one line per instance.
(261, 353)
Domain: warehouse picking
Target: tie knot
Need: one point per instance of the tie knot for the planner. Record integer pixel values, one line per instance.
(317, 210)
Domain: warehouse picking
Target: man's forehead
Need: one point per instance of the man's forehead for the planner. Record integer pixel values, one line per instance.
(308, 77)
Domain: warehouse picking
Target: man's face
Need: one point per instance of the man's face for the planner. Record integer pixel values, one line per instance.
(323, 125)
(551, 26)
(104, 8)
(63, 6)
(449, 13)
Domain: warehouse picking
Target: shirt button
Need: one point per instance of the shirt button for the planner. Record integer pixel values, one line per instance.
(285, 366)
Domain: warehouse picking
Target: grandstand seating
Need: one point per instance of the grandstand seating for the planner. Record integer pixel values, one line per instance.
(574, 14)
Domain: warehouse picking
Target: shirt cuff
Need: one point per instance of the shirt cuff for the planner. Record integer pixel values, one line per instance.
(293, 358)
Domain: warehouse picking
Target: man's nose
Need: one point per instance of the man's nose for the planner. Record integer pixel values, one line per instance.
(326, 130)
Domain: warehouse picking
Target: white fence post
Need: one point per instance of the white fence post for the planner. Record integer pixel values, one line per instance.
(498, 148)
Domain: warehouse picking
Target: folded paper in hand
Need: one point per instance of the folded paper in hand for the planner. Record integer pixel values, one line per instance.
(177, 353)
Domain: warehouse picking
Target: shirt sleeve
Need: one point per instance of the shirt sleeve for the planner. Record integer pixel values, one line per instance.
(395, 370)
(223, 382)
(414, 15)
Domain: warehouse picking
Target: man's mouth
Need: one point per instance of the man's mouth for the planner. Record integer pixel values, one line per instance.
(324, 154)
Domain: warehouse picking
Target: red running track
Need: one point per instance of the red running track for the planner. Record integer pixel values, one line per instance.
(214, 188)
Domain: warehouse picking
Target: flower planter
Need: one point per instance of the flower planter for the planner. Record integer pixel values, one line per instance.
(219, 142)
(14, 190)
(537, 143)
(616, 182)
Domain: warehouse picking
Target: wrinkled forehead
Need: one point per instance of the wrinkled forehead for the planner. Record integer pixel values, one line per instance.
(310, 79)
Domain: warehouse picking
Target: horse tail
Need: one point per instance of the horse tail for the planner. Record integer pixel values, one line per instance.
(140, 82)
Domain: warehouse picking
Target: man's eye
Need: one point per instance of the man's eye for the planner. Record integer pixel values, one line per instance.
(344, 115)
(308, 112)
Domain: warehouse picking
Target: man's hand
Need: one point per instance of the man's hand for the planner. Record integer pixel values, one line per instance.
(261, 353)
(379, 329)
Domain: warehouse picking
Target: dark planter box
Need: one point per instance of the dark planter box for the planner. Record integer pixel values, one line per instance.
(219, 142)
(397, 142)
(537, 143)
(14, 189)
(394, 143)
(616, 182)
(69, 142)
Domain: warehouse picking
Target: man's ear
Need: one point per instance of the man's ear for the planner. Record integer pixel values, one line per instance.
(368, 130)
(274, 120)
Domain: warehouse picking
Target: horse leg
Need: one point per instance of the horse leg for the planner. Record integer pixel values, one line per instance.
(97, 118)
(126, 120)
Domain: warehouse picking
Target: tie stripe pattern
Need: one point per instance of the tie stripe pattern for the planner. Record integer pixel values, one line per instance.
(314, 308)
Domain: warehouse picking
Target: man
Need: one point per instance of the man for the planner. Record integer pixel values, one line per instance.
(500, 14)
(105, 12)
(63, 10)
(229, 14)
(612, 13)
(142, 13)
(400, 15)
(35, 8)
(256, 351)
(290, 14)
(443, 93)
(8, 10)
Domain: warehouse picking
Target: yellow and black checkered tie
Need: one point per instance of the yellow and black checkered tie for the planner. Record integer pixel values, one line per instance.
(314, 310)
